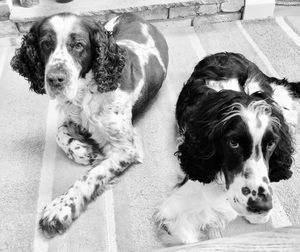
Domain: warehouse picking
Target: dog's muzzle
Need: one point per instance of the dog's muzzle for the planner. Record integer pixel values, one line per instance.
(260, 201)
(57, 78)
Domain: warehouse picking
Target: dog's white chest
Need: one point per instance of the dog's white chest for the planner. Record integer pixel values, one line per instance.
(104, 115)
(92, 107)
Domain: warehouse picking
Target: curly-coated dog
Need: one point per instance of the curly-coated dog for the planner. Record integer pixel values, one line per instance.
(101, 77)
(235, 139)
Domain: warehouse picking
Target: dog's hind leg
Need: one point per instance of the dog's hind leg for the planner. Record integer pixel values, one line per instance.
(77, 143)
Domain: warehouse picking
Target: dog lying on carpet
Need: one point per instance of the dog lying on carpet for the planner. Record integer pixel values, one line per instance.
(235, 138)
(101, 77)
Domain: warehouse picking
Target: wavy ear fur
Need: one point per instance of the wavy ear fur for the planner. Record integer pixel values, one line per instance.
(108, 61)
(281, 159)
(27, 61)
(198, 111)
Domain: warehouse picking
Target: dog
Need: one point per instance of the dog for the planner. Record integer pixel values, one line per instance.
(102, 77)
(235, 128)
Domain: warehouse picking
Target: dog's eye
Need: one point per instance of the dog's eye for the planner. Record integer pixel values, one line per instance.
(78, 46)
(271, 145)
(234, 144)
(47, 45)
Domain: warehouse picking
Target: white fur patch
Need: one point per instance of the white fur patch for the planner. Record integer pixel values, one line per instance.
(143, 51)
(109, 26)
(194, 208)
(284, 99)
(230, 84)
(251, 87)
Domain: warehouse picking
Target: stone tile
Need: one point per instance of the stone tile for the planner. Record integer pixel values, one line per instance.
(186, 11)
(154, 14)
(232, 5)
(183, 11)
(219, 17)
(208, 9)
(8, 28)
(92, 7)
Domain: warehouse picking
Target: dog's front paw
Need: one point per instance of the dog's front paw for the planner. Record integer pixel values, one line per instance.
(56, 217)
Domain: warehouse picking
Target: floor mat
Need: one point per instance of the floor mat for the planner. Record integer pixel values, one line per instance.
(33, 170)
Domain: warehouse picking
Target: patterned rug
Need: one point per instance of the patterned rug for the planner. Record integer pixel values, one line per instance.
(33, 170)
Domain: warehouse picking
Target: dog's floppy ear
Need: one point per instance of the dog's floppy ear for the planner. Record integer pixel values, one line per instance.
(199, 111)
(281, 159)
(27, 61)
(108, 59)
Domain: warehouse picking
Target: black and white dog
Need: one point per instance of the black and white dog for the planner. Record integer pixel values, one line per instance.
(101, 77)
(235, 127)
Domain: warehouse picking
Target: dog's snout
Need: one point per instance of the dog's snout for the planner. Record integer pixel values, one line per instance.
(261, 203)
(56, 79)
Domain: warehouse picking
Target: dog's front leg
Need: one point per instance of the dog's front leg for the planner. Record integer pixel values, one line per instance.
(58, 215)
(188, 215)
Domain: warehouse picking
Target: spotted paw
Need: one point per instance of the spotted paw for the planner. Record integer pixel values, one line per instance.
(57, 216)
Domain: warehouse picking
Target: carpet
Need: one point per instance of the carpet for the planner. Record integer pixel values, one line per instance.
(33, 170)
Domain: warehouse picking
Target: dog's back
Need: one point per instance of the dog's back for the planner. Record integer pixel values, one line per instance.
(147, 52)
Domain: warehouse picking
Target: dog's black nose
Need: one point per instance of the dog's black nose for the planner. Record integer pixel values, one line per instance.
(56, 79)
(261, 203)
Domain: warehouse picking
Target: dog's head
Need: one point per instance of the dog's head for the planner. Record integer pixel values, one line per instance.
(61, 49)
(243, 139)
